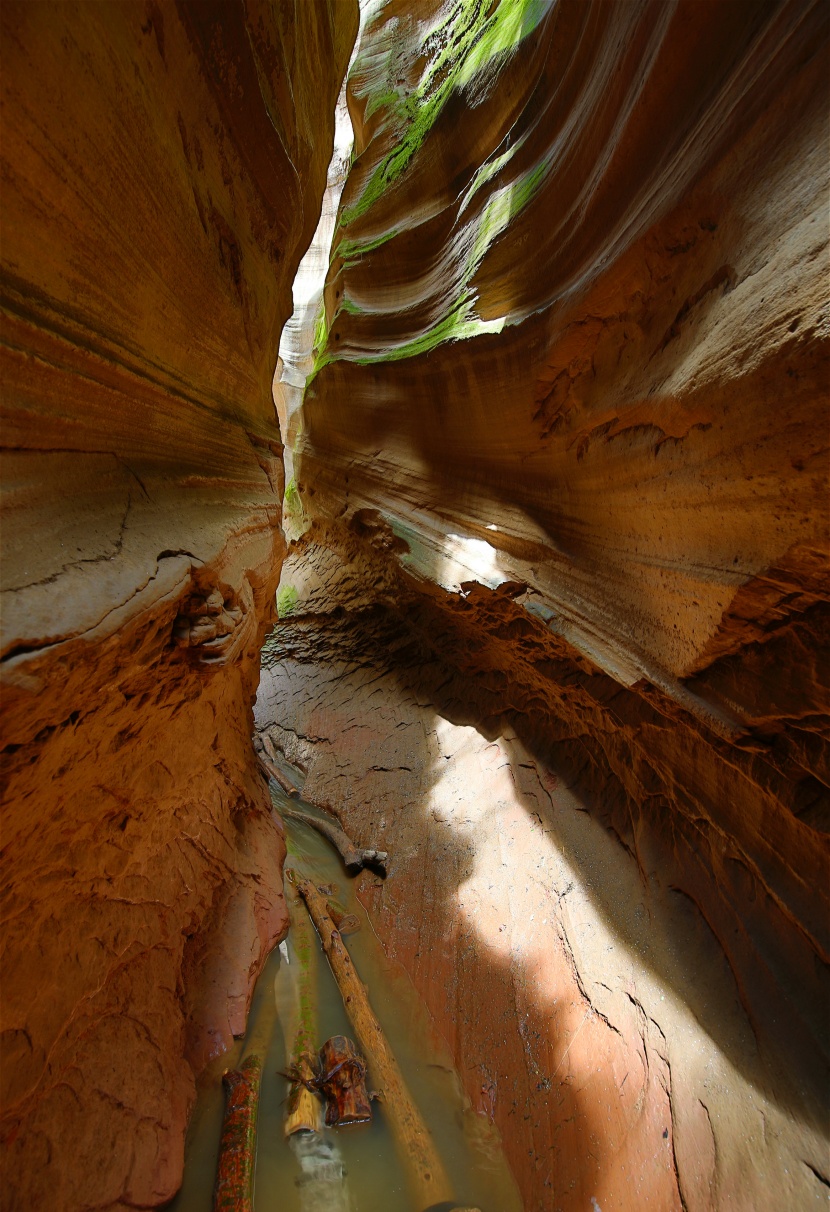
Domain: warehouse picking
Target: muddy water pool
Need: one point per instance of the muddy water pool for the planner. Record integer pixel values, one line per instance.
(374, 1179)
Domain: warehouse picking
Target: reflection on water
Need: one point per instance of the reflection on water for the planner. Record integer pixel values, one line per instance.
(323, 1185)
(291, 1177)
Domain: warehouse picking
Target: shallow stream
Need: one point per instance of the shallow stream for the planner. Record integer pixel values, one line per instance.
(374, 1180)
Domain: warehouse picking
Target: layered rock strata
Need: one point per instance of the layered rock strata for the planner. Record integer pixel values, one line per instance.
(163, 169)
(573, 375)
(615, 916)
(576, 329)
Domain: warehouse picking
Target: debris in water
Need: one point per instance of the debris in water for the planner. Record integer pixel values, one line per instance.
(343, 1082)
(322, 1181)
(235, 1175)
(428, 1180)
(354, 858)
(295, 993)
(346, 923)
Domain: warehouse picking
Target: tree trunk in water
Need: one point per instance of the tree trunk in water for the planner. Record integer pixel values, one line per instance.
(234, 1190)
(297, 996)
(273, 773)
(425, 1171)
(351, 856)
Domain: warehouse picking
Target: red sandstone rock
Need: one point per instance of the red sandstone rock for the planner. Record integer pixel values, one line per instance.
(622, 212)
(163, 168)
(636, 198)
(577, 340)
(637, 895)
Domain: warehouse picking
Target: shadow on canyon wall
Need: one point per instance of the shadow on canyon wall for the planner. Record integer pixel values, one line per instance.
(726, 937)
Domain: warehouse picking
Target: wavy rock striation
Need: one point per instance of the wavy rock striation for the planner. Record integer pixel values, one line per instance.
(573, 375)
(163, 169)
(620, 208)
(559, 619)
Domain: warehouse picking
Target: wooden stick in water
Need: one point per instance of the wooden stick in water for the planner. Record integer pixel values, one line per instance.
(346, 923)
(234, 1191)
(427, 1177)
(354, 859)
(304, 1112)
(276, 774)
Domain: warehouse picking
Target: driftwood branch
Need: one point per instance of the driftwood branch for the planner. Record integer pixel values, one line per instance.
(270, 751)
(354, 858)
(296, 992)
(275, 773)
(234, 1191)
(425, 1170)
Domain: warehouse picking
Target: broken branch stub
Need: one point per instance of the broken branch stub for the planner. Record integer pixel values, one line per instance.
(346, 923)
(342, 1081)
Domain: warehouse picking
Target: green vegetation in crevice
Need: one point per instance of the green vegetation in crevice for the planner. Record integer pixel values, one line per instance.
(350, 251)
(287, 599)
(470, 35)
(321, 333)
(323, 354)
(350, 307)
(292, 495)
(461, 321)
(293, 513)
(460, 49)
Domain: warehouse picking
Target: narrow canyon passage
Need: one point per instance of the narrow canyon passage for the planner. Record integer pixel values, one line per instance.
(438, 391)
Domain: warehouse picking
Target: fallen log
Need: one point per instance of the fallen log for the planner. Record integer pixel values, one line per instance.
(425, 1171)
(342, 1081)
(274, 773)
(346, 923)
(354, 859)
(234, 1191)
(268, 745)
(270, 751)
(296, 996)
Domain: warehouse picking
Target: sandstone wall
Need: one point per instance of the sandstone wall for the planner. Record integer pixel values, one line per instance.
(575, 345)
(163, 169)
(577, 319)
(581, 887)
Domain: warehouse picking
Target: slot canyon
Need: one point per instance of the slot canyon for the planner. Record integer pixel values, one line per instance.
(478, 470)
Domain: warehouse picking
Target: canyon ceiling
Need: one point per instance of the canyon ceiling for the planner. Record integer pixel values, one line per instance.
(561, 567)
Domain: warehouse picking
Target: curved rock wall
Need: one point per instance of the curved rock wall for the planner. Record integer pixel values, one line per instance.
(613, 915)
(296, 358)
(163, 169)
(611, 241)
(572, 375)
(576, 337)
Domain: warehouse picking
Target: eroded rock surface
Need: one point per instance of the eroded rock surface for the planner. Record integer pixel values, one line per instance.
(615, 917)
(573, 369)
(163, 168)
(576, 322)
